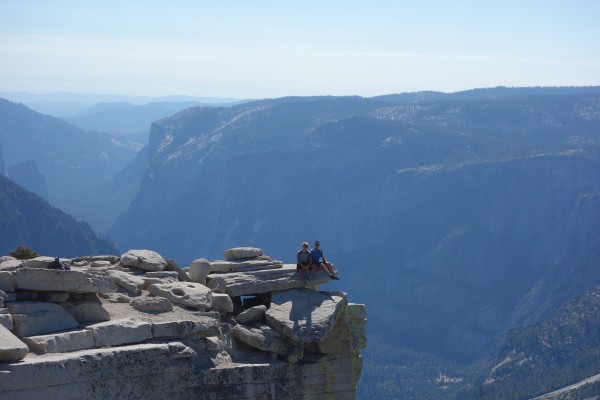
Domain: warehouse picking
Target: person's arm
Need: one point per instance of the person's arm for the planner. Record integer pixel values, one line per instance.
(323, 257)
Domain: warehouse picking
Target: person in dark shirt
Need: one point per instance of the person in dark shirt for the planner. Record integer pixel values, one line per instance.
(303, 260)
(57, 264)
(317, 255)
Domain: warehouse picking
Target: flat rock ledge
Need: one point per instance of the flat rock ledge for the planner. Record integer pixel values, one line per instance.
(62, 281)
(263, 281)
(127, 327)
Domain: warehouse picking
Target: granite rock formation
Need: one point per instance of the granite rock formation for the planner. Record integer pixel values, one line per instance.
(98, 331)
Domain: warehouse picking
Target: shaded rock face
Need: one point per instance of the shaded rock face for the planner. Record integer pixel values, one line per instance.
(303, 314)
(28, 175)
(83, 342)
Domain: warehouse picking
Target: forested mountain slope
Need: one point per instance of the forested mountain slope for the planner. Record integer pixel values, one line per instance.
(26, 219)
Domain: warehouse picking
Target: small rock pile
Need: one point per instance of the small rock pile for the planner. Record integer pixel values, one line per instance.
(245, 303)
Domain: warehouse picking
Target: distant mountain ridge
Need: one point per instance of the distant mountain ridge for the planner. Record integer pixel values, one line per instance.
(28, 220)
(72, 161)
(127, 119)
(499, 92)
(67, 104)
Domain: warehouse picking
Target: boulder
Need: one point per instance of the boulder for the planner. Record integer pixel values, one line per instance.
(221, 302)
(172, 266)
(265, 338)
(121, 331)
(6, 258)
(11, 265)
(32, 318)
(251, 315)
(6, 319)
(217, 284)
(87, 309)
(62, 281)
(38, 262)
(152, 304)
(11, 348)
(265, 281)
(7, 281)
(189, 294)
(348, 333)
(64, 342)
(238, 253)
(304, 314)
(199, 270)
(201, 327)
(131, 283)
(144, 259)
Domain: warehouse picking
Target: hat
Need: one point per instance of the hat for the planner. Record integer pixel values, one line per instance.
(317, 242)
(305, 244)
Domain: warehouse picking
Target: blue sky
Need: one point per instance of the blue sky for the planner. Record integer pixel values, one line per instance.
(255, 49)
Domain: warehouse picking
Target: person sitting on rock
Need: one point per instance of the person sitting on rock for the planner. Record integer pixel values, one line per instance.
(317, 255)
(303, 260)
(57, 264)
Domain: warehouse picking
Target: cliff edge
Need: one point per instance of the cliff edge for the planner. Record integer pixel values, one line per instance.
(138, 326)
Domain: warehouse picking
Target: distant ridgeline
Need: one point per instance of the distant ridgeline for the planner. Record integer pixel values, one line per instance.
(27, 219)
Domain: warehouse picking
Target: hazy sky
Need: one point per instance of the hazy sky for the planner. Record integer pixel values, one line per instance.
(255, 49)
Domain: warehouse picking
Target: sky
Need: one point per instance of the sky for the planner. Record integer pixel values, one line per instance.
(260, 49)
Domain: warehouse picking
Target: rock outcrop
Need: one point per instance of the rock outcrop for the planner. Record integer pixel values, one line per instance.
(113, 328)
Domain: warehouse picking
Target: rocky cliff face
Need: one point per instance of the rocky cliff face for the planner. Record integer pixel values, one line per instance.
(138, 326)
(28, 175)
